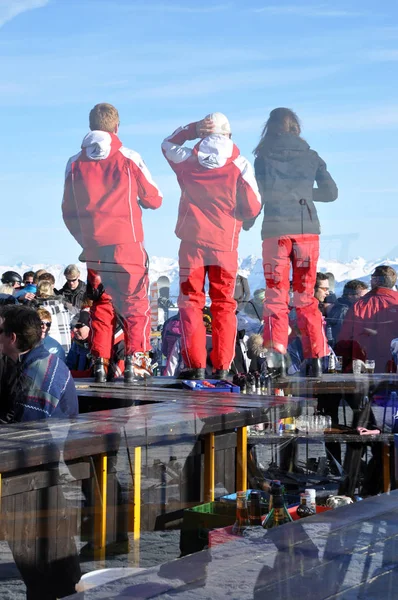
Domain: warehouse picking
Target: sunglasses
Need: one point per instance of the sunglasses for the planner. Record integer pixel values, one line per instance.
(72, 280)
(45, 324)
(79, 325)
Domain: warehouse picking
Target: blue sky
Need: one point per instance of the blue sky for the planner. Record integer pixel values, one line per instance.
(167, 64)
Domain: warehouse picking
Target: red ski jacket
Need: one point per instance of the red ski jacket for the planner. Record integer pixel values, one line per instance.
(370, 325)
(218, 189)
(106, 185)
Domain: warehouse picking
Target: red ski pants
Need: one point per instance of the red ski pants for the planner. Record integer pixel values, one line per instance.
(301, 253)
(195, 263)
(123, 271)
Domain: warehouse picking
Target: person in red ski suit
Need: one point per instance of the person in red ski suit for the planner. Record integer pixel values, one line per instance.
(286, 169)
(371, 323)
(106, 187)
(218, 193)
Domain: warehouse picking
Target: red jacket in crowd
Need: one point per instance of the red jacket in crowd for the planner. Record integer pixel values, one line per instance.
(106, 185)
(370, 325)
(218, 189)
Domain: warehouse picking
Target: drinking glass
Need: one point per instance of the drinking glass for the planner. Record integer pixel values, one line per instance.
(339, 364)
(356, 366)
(370, 366)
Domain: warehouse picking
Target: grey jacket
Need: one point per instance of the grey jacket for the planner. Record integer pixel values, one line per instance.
(285, 173)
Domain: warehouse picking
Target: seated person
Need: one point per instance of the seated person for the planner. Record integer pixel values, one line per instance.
(79, 359)
(49, 342)
(46, 298)
(44, 386)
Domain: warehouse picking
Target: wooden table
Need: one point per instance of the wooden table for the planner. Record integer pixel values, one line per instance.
(29, 453)
(348, 553)
(341, 383)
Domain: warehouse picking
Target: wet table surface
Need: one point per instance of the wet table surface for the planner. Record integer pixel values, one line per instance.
(346, 383)
(348, 553)
(179, 417)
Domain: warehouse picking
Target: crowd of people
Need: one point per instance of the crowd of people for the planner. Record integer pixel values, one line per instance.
(102, 328)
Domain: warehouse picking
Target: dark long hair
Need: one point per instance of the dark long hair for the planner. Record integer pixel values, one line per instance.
(280, 120)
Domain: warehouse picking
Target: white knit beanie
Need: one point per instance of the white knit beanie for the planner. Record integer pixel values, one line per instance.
(221, 123)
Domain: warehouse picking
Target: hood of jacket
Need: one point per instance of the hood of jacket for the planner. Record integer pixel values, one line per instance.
(99, 145)
(215, 151)
(284, 147)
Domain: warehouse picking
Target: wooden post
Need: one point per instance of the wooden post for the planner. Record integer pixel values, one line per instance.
(209, 478)
(386, 467)
(100, 506)
(241, 459)
(137, 494)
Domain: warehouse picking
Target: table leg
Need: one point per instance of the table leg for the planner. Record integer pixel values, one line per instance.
(137, 505)
(241, 459)
(100, 506)
(386, 467)
(209, 476)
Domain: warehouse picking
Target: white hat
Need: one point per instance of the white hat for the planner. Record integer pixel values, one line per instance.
(221, 123)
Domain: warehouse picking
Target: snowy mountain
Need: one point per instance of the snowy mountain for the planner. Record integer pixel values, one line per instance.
(250, 267)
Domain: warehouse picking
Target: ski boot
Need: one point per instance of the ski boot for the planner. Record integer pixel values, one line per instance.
(100, 370)
(138, 366)
(275, 363)
(220, 374)
(313, 367)
(192, 374)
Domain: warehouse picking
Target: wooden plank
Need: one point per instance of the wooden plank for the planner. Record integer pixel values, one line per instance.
(38, 479)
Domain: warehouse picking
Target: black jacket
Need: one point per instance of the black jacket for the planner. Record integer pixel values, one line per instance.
(74, 297)
(10, 387)
(336, 315)
(286, 172)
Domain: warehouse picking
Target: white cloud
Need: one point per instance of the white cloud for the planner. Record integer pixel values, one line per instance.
(12, 8)
(321, 10)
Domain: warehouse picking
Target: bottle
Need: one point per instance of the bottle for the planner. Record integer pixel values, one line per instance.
(251, 383)
(310, 494)
(329, 336)
(304, 510)
(332, 363)
(255, 508)
(278, 515)
(258, 383)
(242, 514)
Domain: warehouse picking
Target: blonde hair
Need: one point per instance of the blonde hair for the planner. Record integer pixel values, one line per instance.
(104, 117)
(44, 314)
(45, 289)
(6, 288)
(72, 271)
